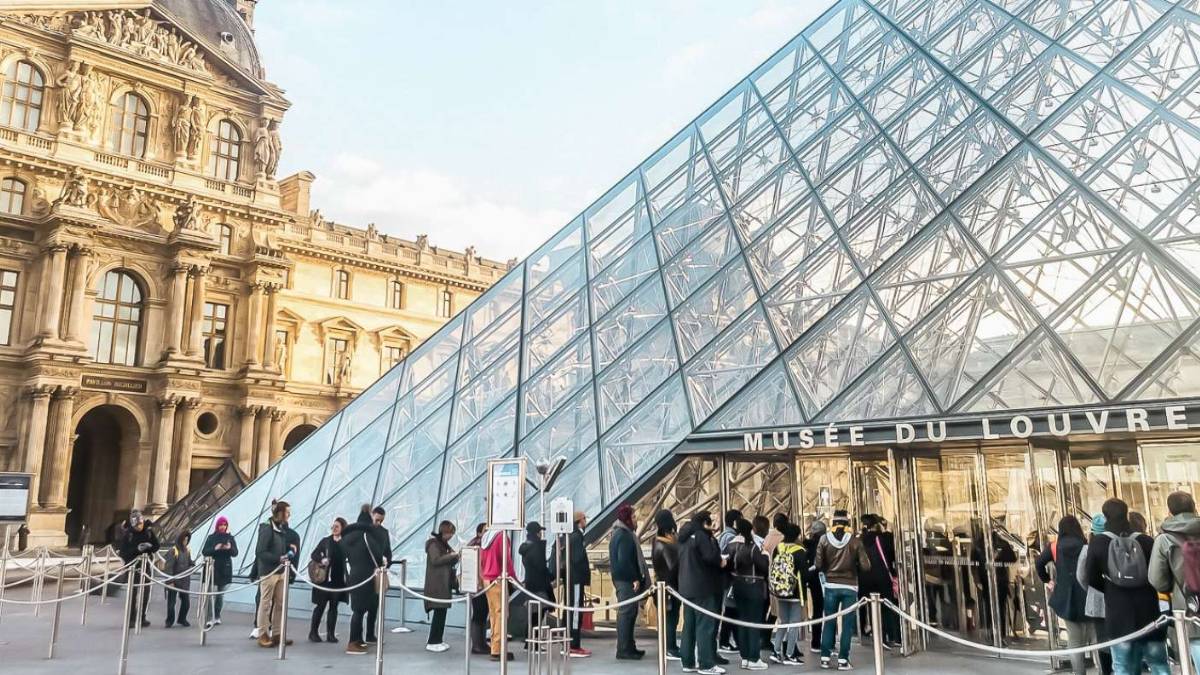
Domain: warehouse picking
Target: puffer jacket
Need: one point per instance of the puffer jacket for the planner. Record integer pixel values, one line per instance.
(177, 561)
(1165, 567)
(699, 563)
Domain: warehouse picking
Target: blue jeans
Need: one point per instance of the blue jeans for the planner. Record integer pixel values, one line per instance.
(1128, 657)
(837, 599)
(1194, 648)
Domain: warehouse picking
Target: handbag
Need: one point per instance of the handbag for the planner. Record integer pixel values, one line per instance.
(317, 573)
(895, 581)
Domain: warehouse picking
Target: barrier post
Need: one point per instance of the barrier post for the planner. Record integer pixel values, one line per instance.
(1182, 643)
(4, 557)
(205, 589)
(125, 619)
(283, 617)
(137, 574)
(403, 627)
(467, 635)
(85, 583)
(381, 584)
(503, 602)
(877, 632)
(58, 591)
(39, 579)
(660, 599)
(104, 583)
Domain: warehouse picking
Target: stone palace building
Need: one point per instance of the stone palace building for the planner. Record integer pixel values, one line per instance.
(166, 302)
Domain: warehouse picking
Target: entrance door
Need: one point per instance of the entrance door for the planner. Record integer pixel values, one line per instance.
(1095, 473)
(102, 435)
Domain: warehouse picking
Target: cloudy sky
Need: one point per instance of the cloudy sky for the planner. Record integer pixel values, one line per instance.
(493, 123)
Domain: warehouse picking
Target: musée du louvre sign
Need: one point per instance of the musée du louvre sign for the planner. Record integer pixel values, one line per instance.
(1050, 423)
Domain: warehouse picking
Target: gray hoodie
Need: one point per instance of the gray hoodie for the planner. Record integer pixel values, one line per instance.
(1166, 560)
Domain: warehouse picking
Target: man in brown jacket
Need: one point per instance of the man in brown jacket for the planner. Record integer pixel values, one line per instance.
(840, 559)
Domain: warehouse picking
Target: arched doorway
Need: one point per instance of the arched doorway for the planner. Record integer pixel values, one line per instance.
(92, 491)
(296, 435)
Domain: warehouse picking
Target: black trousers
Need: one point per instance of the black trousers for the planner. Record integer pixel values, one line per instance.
(698, 646)
(184, 606)
(479, 624)
(751, 599)
(817, 604)
(576, 618)
(673, 609)
(728, 630)
(141, 599)
(328, 607)
(437, 627)
(356, 624)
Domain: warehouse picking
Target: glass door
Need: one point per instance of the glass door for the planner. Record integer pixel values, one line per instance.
(1169, 467)
(824, 488)
(1094, 473)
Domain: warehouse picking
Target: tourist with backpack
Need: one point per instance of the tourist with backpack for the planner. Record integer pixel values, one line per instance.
(789, 571)
(1117, 563)
(1067, 597)
(1175, 563)
(750, 569)
(841, 558)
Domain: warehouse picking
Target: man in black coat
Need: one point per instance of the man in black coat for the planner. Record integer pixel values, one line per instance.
(700, 565)
(581, 577)
(365, 545)
(138, 540)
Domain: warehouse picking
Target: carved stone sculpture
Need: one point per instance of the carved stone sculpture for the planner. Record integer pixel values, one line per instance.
(276, 149)
(141, 34)
(187, 216)
(128, 206)
(263, 151)
(187, 129)
(75, 191)
(71, 85)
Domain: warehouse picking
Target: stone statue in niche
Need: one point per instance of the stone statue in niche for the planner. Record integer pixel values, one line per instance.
(75, 191)
(188, 129)
(72, 84)
(128, 206)
(276, 149)
(187, 216)
(267, 147)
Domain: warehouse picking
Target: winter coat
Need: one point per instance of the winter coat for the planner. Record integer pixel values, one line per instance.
(292, 539)
(624, 555)
(441, 577)
(491, 565)
(132, 539)
(878, 579)
(364, 548)
(1069, 599)
(581, 568)
(750, 566)
(270, 546)
(1093, 605)
(664, 555)
(328, 549)
(223, 558)
(1166, 560)
(699, 563)
(841, 559)
(1125, 609)
(537, 569)
(178, 560)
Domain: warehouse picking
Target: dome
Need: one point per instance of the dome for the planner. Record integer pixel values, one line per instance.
(209, 20)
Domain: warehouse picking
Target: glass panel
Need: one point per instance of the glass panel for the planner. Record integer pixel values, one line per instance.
(1018, 595)
(558, 286)
(628, 322)
(712, 308)
(558, 381)
(609, 286)
(545, 341)
(428, 396)
(802, 298)
(919, 278)
(566, 433)
(768, 401)
(416, 450)
(467, 459)
(1169, 467)
(432, 353)
(760, 487)
(788, 242)
(890, 388)
(838, 351)
(369, 405)
(411, 504)
(477, 398)
(1009, 198)
(638, 373)
(1038, 375)
(699, 262)
(824, 488)
(311, 452)
(477, 355)
(644, 438)
(729, 362)
(684, 223)
(553, 253)
(494, 303)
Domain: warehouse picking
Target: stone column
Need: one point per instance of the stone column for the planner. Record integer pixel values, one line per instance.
(245, 451)
(175, 310)
(35, 438)
(162, 454)
(75, 320)
(195, 336)
(263, 449)
(56, 259)
(277, 416)
(253, 339)
(183, 458)
(269, 342)
(54, 487)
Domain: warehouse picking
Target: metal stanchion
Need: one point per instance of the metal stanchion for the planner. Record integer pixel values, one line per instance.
(104, 587)
(1182, 643)
(58, 591)
(381, 585)
(125, 620)
(467, 637)
(39, 574)
(85, 584)
(403, 627)
(139, 573)
(4, 557)
(660, 599)
(877, 632)
(283, 617)
(205, 589)
(503, 602)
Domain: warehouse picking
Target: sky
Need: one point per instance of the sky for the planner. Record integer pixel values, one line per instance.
(494, 123)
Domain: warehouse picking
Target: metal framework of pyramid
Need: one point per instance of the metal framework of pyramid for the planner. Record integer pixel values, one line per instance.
(921, 207)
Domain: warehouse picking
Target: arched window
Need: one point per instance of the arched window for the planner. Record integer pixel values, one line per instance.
(21, 102)
(225, 233)
(117, 319)
(226, 152)
(130, 122)
(12, 196)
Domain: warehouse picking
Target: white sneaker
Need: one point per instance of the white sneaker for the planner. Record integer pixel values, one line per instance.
(438, 648)
(843, 664)
(715, 670)
(401, 629)
(825, 662)
(217, 621)
(254, 634)
(689, 669)
(754, 665)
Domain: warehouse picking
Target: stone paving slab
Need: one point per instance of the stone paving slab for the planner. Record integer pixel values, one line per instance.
(94, 649)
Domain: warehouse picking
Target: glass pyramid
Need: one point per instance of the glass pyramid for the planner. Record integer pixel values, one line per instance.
(916, 207)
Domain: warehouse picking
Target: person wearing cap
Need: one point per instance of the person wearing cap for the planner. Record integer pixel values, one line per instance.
(629, 577)
(840, 557)
(222, 548)
(138, 539)
(537, 570)
(581, 577)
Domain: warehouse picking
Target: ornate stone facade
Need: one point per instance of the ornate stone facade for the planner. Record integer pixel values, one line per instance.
(166, 303)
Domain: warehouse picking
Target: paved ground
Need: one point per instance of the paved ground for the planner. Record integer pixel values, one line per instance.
(94, 649)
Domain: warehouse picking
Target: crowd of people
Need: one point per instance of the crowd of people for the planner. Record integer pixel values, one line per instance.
(1111, 584)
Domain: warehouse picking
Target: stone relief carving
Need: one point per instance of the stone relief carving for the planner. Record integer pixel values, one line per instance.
(141, 34)
(128, 206)
(187, 216)
(79, 98)
(75, 191)
(188, 128)
(38, 204)
(44, 21)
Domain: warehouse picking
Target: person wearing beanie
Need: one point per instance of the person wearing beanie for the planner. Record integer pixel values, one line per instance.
(222, 548)
(840, 558)
(177, 561)
(138, 539)
(664, 553)
(629, 577)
